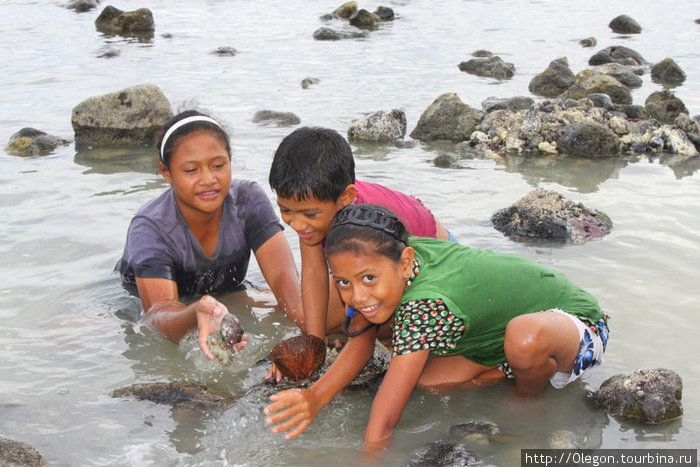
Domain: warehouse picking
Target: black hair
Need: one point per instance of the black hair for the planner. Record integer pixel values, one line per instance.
(312, 161)
(365, 229)
(173, 140)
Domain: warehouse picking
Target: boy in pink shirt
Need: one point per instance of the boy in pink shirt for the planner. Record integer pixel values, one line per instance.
(313, 175)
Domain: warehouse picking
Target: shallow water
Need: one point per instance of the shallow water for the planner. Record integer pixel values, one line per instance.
(70, 334)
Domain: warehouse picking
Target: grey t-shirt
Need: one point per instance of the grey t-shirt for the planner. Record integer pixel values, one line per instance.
(159, 244)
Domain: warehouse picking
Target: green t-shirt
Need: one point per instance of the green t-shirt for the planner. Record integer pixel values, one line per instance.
(462, 299)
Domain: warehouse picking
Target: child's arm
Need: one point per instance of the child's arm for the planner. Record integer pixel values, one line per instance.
(314, 289)
(174, 319)
(277, 266)
(295, 409)
(400, 380)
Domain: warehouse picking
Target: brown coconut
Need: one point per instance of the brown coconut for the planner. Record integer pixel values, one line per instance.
(299, 356)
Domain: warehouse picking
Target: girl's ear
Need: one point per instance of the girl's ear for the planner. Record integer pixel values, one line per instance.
(347, 197)
(406, 261)
(165, 172)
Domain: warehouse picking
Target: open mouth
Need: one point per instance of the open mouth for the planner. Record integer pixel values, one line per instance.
(368, 311)
(207, 195)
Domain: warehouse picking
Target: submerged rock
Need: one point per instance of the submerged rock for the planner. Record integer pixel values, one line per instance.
(32, 142)
(328, 34)
(511, 104)
(82, 5)
(447, 118)
(384, 13)
(488, 67)
(588, 42)
(18, 453)
(379, 127)
(645, 396)
(624, 24)
(134, 116)
(546, 215)
(225, 51)
(190, 393)
(443, 454)
(474, 430)
(277, 118)
(309, 81)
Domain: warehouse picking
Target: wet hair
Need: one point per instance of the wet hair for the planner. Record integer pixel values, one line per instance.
(312, 162)
(367, 229)
(172, 138)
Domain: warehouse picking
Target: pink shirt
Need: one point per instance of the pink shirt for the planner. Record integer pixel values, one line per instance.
(417, 218)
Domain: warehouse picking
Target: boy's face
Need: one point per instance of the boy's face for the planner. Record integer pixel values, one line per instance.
(311, 218)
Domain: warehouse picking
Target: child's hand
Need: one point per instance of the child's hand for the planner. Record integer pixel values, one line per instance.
(293, 409)
(274, 374)
(209, 313)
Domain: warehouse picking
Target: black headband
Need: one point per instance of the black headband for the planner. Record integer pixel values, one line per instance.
(372, 216)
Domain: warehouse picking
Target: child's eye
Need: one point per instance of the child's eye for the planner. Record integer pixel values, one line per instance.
(342, 283)
(190, 171)
(368, 278)
(311, 215)
(218, 166)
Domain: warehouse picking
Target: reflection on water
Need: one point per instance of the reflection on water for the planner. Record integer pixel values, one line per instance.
(116, 160)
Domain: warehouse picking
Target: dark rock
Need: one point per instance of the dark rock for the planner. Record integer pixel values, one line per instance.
(546, 215)
(633, 112)
(664, 106)
(447, 118)
(278, 118)
(624, 74)
(667, 72)
(32, 142)
(82, 5)
(346, 10)
(115, 21)
(623, 24)
(481, 53)
(602, 100)
(617, 54)
(690, 127)
(512, 104)
(225, 51)
(446, 161)
(588, 140)
(307, 82)
(17, 453)
(328, 34)
(109, 52)
(189, 393)
(588, 42)
(553, 81)
(379, 127)
(384, 13)
(443, 454)
(131, 117)
(488, 67)
(363, 19)
(474, 430)
(645, 396)
(589, 82)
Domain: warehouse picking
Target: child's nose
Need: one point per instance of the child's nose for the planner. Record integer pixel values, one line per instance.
(297, 223)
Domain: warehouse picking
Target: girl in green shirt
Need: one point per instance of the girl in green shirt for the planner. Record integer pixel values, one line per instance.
(459, 317)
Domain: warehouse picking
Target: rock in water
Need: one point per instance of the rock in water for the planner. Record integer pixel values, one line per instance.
(17, 453)
(175, 394)
(546, 215)
(646, 396)
(299, 356)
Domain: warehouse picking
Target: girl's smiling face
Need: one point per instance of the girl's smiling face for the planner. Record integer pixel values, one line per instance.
(199, 172)
(371, 283)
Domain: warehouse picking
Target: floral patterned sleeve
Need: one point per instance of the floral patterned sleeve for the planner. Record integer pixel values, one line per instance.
(426, 324)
